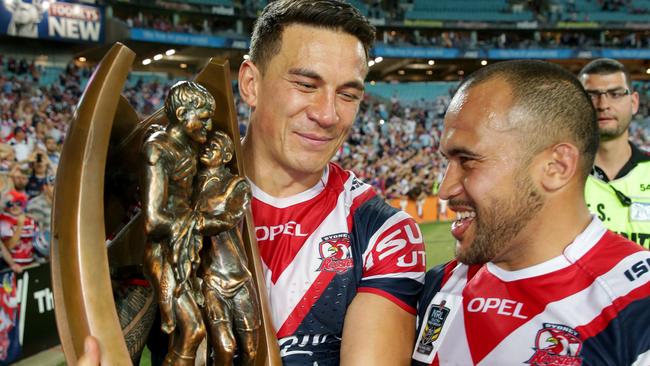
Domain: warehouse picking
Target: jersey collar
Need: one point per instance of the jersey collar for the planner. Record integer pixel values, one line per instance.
(638, 156)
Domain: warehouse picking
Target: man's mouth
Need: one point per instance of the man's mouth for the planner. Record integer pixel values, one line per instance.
(314, 139)
(463, 221)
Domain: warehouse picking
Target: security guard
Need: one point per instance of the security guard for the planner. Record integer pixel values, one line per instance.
(618, 190)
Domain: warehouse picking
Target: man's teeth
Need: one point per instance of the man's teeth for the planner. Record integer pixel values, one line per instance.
(465, 215)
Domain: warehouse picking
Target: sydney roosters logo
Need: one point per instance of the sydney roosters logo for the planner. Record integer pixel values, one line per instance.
(556, 344)
(335, 253)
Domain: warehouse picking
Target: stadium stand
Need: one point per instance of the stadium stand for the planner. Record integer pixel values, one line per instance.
(473, 10)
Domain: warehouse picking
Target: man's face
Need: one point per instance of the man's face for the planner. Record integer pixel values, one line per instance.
(20, 181)
(50, 145)
(197, 123)
(15, 208)
(307, 99)
(615, 111)
(487, 181)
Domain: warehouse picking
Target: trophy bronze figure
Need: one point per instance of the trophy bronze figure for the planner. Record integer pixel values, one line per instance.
(179, 215)
(172, 249)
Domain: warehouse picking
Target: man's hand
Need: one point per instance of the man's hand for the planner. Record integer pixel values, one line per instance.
(91, 354)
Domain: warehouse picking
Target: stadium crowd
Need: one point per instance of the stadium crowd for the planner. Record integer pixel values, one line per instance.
(392, 145)
(491, 39)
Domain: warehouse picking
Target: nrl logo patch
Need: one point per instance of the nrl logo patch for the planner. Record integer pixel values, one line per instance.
(432, 328)
(335, 253)
(556, 344)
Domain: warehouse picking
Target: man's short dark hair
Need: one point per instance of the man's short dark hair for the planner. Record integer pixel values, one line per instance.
(266, 40)
(606, 66)
(556, 104)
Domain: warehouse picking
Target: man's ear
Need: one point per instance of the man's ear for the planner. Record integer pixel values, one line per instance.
(249, 77)
(561, 164)
(180, 113)
(227, 157)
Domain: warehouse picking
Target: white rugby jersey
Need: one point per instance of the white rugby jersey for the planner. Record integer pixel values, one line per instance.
(589, 306)
(322, 246)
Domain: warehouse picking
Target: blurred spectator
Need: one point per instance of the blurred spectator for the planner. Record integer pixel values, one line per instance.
(40, 168)
(17, 231)
(40, 208)
(21, 144)
(7, 158)
(20, 178)
(52, 150)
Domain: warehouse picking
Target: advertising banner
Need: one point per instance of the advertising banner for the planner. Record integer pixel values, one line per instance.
(151, 35)
(27, 320)
(51, 20)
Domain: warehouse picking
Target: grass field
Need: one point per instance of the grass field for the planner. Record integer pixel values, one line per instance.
(439, 246)
(439, 242)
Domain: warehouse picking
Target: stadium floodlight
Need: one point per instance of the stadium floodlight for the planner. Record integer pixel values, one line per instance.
(82, 59)
(647, 71)
(431, 62)
(401, 72)
(379, 59)
(146, 61)
(183, 66)
(371, 63)
(158, 57)
(170, 52)
(484, 62)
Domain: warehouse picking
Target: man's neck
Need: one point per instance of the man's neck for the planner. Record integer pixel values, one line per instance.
(613, 154)
(271, 178)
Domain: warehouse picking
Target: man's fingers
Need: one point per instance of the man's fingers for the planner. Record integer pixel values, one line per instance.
(91, 354)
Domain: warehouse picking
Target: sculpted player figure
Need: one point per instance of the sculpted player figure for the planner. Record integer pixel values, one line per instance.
(171, 164)
(231, 310)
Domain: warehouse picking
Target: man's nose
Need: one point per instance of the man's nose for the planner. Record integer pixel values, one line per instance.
(451, 185)
(323, 109)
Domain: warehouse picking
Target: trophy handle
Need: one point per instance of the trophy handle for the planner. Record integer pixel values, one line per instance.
(80, 273)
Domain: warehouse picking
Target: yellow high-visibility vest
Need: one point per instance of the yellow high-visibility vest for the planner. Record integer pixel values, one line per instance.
(623, 204)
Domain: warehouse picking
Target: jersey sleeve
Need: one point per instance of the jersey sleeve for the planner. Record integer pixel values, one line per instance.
(620, 334)
(393, 259)
(6, 229)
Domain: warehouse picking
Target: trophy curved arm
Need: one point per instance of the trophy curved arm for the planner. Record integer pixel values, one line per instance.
(80, 274)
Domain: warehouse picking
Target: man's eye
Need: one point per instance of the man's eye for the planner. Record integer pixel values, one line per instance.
(305, 85)
(463, 160)
(349, 96)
